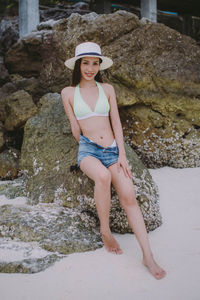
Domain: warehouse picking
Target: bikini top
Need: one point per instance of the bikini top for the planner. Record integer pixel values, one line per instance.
(82, 109)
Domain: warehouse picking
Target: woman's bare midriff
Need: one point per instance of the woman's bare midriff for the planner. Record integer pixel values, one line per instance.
(97, 129)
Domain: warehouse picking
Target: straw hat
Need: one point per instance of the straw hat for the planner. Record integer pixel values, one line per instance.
(89, 49)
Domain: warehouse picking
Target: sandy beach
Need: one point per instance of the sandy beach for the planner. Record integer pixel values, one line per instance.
(103, 276)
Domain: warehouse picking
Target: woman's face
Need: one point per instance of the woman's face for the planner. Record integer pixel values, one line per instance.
(89, 67)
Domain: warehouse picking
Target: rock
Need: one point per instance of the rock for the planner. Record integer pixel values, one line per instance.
(6, 90)
(2, 141)
(30, 85)
(39, 235)
(81, 6)
(12, 139)
(27, 84)
(9, 33)
(19, 108)
(12, 189)
(19, 257)
(60, 11)
(54, 228)
(4, 76)
(49, 48)
(9, 164)
(156, 71)
(162, 122)
(49, 150)
(31, 58)
(165, 139)
(46, 25)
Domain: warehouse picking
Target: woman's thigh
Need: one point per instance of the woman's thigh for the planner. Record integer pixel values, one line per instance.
(122, 184)
(94, 169)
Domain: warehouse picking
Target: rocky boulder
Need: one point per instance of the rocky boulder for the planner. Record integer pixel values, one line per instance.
(19, 108)
(156, 74)
(9, 164)
(2, 140)
(8, 33)
(33, 237)
(5, 91)
(30, 85)
(49, 150)
(4, 76)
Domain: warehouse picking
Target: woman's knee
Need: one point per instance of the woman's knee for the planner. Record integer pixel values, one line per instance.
(103, 178)
(128, 199)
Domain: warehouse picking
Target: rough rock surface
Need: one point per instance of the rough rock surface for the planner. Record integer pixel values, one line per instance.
(19, 257)
(9, 164)
(4, 76)
(17, 82)
(61, 11)
(49, 150)
(30, 85)
(19, 108)
(34, 237)
(8, 33)
(156, 74)
(2, 141)
(5, 91)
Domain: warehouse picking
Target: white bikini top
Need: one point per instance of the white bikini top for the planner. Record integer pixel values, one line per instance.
(82, 109)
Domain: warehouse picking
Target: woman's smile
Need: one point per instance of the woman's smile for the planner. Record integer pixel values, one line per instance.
(89, 74)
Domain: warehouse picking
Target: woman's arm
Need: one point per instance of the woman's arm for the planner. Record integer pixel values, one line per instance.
(66, 93)
(118, 133)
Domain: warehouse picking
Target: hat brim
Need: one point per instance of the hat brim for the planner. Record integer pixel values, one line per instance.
(105, 64)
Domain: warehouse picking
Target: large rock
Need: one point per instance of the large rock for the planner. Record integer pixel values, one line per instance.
(4, 76)
(29, 257)
(5, 91)
(9, 33)
(156, 74)
(9, 164)
(2, 140)
(30, 85)
(49, 47)
(19, 108)
(49, 150)
(16, 106)
(33, 237)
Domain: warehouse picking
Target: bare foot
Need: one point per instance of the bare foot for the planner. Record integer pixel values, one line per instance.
(154, 268)
(110, 243)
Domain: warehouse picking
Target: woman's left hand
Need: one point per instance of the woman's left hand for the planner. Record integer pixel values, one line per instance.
(123, 163)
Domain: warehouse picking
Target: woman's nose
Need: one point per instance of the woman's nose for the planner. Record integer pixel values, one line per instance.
(90, 67)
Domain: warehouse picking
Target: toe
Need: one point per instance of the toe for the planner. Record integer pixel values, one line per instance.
(119, 251)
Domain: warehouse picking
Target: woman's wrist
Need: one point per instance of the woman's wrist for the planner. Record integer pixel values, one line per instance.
(122, 153)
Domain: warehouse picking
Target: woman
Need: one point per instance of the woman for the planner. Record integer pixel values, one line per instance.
(92, 110)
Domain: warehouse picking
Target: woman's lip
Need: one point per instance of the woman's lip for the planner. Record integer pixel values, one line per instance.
(89, 74)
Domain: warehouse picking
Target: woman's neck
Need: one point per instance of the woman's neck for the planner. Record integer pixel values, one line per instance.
(87, 83)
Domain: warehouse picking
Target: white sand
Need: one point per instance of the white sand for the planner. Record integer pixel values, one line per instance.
(98, 275)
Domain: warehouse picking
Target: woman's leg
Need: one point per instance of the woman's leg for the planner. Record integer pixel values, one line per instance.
(101, 176)
(125, 190)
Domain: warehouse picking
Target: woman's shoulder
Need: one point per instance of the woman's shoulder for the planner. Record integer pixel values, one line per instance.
(68, 92)
(107, 87)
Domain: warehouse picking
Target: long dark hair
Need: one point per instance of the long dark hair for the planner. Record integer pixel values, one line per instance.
(76, 76)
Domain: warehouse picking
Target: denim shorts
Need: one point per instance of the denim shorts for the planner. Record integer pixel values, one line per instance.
(108, 156)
